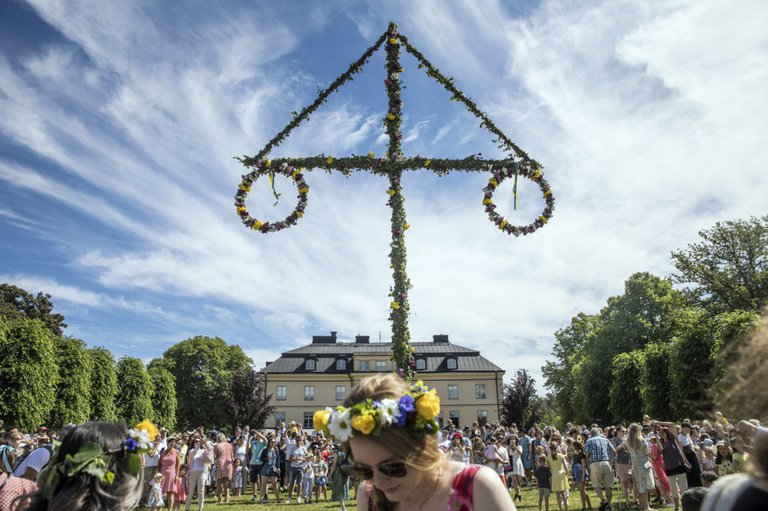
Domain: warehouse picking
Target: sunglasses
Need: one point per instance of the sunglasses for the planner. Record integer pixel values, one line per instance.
(390, 469)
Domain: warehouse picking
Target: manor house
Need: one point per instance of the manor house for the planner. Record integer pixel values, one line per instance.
(319, 374)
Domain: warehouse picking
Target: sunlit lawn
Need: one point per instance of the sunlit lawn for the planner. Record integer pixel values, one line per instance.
(530, 502)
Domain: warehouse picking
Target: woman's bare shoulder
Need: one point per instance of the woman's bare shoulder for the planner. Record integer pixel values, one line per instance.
(488, 492)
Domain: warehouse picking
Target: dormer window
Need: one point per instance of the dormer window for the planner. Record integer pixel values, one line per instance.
(421, 364)
(341, 365)
(311, 364)
(451, 363)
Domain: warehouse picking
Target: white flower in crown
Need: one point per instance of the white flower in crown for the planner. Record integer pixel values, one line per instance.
(340, 426)
(141, 437)
(390, 412)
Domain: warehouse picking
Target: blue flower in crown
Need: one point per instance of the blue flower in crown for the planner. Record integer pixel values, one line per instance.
(406, 406)
(131, 444)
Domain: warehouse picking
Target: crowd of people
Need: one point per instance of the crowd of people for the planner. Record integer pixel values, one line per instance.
(644, 464)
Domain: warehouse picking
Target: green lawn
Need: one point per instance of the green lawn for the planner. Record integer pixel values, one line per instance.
(530, 502)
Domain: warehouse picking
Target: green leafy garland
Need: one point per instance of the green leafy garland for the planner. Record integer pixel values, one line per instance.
(517, 163)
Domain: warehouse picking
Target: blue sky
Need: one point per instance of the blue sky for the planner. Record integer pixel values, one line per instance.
(120, 121)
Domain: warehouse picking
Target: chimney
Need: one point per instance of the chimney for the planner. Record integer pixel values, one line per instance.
(324, 339)
(440, 338)
(362, 339)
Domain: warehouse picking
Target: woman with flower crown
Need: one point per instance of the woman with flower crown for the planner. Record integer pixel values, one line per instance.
(389, 430)
(97, 466)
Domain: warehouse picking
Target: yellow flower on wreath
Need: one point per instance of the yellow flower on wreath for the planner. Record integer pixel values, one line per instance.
(391, 116)
(428, 405)
(321, 419)
(329, 160)
(393, 40)
(149, 427)
(395, 305)
(364, 423)
(370, 154)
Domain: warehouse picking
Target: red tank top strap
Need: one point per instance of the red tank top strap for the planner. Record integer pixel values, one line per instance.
(462, 487)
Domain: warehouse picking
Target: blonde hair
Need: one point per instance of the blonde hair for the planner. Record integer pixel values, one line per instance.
(420, 452)
(635, 438)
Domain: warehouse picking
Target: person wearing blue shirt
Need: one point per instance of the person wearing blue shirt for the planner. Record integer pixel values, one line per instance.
(257, 444)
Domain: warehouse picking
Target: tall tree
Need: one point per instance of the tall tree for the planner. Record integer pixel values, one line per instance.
(134, 398)
(627, 371)
(655, 385)
(559, 375)
(248, 404)
(728, 269)
(28, 373)
(103, 385)
(73, 393)
(17, 303)
(203, 368)
(521, 405)
(163, 395)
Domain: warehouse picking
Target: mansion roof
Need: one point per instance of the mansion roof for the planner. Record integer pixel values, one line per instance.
(325, 351)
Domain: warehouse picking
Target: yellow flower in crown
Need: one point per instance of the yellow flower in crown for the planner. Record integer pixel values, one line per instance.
(149, 427)
(428, 405)
(364, 423)
(321, 418)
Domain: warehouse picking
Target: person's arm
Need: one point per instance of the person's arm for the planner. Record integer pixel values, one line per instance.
(30, 473)
(362, 496)
(489, 493)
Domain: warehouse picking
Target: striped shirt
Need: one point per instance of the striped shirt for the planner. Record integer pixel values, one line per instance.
(598, 449)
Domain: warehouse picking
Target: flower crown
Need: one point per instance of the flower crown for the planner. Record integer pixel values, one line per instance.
(416, 410)
(93, 460)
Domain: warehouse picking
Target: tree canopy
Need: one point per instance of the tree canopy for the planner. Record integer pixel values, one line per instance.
(248, 404)
(103, 385)
(73, 398)
(134, 398)
(521, 405)
(17, 303)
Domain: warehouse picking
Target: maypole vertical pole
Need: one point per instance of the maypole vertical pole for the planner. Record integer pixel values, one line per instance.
(402, 352)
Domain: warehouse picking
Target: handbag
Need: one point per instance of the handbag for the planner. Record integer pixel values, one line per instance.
(207, 458)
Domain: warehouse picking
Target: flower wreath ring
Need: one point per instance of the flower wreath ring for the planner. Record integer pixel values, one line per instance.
(499, 175)
(264, 168)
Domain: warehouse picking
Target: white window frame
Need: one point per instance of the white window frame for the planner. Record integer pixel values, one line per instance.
(421, 364)
(381, 366)
(454, 387)
(480, 392)
(281, 396)
(365, 366)
(311, 364)
(308, 422)
(343, 393)
(451, 362)
(341, 364)
(309, 392)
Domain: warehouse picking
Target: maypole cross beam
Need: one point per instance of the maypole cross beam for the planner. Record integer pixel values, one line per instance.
(516, 165)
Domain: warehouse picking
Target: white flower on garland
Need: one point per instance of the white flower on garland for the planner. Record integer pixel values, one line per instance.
(340, 426)
(390, 412)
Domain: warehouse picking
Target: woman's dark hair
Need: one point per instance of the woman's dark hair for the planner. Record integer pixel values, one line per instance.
(86, 492)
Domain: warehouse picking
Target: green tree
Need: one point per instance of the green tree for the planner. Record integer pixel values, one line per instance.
(728, 269)
(649, 311)
(73, 393)
(203, 368)
(248, 404)
(163, 395)
(521, 405)
(692, 371)
(16, 303)
(28, 373)
(627, 371)
(655, 385)
(103, 385)
(134, 397)
(559, 375)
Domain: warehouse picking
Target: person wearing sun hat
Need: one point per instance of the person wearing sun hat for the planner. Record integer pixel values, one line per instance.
(389, 429)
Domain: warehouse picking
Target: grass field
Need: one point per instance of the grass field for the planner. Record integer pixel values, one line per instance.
(530, 502)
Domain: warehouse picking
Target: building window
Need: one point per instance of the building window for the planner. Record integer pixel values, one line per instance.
(308, 422)
(311, 364)
(454, 416)
(365, 365)
(451, 363)
(453, 392)
(341, 365)
(341, 392)
(482, 417)
(421, 364)
(381, 365)
(279, 417)
(309, 392)
(480, 391)
(282, 393)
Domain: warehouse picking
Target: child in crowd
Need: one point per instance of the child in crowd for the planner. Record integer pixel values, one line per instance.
(724, 459)
(181, 488)
(237, 477)
(580, 472)
(320, 468)
(740, 456)
(544, 481)
(708, 462)
(308, 480)
(155, 500)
